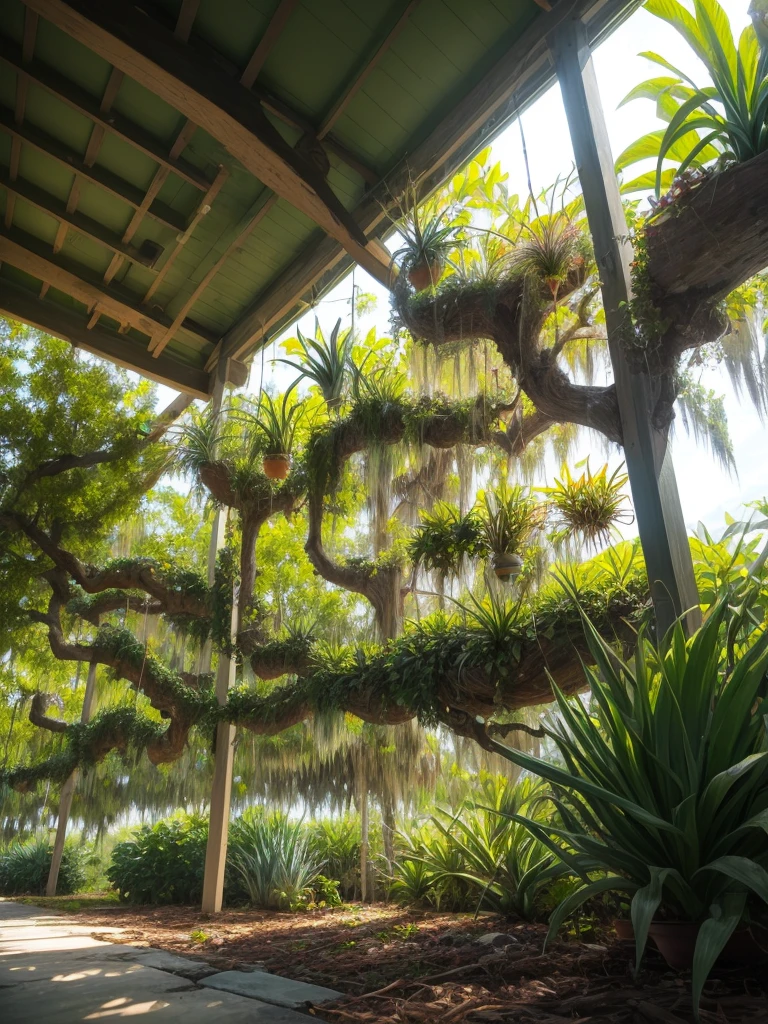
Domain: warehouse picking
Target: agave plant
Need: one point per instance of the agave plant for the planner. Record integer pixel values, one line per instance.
(664, 793)
(326, 363)
(591, 505)
(429, 237)
(273, 858)
(725, 121)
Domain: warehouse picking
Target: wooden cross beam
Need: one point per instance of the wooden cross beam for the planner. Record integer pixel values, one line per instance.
(118, 348)
(75, 164)
(109, 120)
(144, 50)
(283, 11)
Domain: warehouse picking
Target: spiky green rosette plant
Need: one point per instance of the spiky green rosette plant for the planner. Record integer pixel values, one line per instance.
(590, 506)
(664, 793)
(444, 537)
(277, 422)
(324, 362)
(510, 515)
(429, 237)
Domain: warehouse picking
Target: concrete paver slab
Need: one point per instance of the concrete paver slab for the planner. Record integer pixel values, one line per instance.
(271, 988)
(160, 959)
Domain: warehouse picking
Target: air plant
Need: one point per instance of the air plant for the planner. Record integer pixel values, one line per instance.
(429, 237)
(444, 536)
(552, 248)
(591, 505)
(326, 363)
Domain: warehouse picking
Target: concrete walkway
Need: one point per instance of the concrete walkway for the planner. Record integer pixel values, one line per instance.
(53, 972)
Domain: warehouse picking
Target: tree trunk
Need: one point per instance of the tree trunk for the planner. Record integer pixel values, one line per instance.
(68, 792)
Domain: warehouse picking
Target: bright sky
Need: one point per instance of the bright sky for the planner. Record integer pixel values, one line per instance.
(706, 491)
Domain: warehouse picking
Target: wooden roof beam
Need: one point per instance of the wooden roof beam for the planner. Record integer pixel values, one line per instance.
(69, 325)
(517, 78)
(29, 254)
(75, 164)
(283, 11)
(118, 32)
(186, 19)
(109, 120)
(358, 81)
(44, 201)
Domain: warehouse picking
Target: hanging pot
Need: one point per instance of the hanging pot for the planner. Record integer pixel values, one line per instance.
(425, 273)
(507, 566)
(624, 930)
(676, 941)
(276, 467)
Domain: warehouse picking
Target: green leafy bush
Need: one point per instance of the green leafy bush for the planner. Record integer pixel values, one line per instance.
(163, 863)
(664, 793)
(24, 869)
(336, 843)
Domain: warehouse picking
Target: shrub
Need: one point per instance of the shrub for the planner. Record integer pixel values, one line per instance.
(336, 842)
(24, 869)
(163, 863)
(273, 858)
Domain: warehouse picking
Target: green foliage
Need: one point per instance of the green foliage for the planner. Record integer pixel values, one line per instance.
(276, 422)
(480, 858)
(274, 861)
(429, 232)
(590, 505)
(726, 121)
(444, 538)
(326, 363)
(163, 863)
(24, 869)
(510, 516)
(664, 793)
(335, 842)
(552, 247)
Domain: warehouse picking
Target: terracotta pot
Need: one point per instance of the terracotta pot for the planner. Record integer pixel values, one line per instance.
(422, 275)
(676, 941)
(276, 467)
(623, 928)
(507, 566)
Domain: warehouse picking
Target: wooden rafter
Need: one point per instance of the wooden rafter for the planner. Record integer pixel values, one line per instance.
(71, 326)
(200, 91)
(519, 75)
(359, 79)
(262, 207)
(74, 163)
(186, 19)
(29, 254)
(109, 120)
(49, 204)
(283, 11)
(181, 240)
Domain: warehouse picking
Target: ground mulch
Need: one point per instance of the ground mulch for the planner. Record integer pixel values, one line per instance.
(399, 966)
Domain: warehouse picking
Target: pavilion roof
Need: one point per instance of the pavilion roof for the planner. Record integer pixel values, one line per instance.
(181, 177)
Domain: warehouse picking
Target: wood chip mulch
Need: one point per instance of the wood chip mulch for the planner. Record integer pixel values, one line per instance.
(396, 966)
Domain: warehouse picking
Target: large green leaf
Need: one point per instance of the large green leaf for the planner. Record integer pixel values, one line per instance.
(710, 942)
(742, 870)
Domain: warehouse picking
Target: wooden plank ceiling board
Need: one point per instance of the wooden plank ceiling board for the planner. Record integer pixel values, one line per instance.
(179, 177)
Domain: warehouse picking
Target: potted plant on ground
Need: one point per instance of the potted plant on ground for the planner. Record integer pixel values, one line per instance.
(326, 363)
(277, 420)
(664, 793)
(510, 515)
(429, 237)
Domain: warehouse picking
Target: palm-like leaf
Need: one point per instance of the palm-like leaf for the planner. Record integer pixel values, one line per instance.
(726, 120)
(326, 363)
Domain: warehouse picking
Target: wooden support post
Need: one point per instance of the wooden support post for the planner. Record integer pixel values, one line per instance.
(221, 790)
(649, 463)
(68, 791)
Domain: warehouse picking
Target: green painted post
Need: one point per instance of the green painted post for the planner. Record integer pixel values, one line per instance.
(649, 463)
